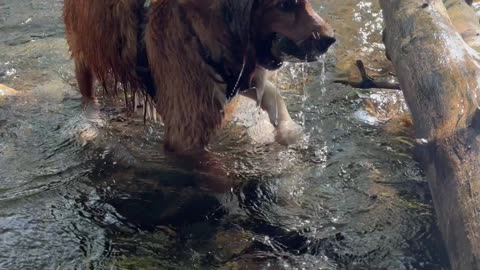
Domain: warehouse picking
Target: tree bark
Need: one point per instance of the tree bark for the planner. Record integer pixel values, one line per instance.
(440, 77)
(465, 21)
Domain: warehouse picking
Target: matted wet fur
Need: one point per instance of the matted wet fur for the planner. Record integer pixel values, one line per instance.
(102, 36)
(191, 57)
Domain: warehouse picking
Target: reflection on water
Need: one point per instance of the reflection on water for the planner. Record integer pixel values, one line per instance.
(75, 196)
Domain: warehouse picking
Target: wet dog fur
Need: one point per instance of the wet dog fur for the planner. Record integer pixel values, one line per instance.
(190, 57)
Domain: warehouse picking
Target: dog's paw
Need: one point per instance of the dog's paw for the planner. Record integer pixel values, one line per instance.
(288, 133)
(91, 111)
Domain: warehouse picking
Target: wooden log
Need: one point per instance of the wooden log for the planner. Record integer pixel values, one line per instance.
(465, 21)
(440, 77)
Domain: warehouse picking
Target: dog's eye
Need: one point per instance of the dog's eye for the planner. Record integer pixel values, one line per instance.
(288, 5)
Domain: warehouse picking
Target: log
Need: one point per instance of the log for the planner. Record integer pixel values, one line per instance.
(440, 78)
(465, 21)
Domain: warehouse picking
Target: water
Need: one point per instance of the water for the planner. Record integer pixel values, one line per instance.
(73, 196)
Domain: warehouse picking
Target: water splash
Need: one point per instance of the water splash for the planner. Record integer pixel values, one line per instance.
(275, 79)
(303, 92)
(323, 74)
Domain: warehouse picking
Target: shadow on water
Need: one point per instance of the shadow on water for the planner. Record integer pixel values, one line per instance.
(75, 196)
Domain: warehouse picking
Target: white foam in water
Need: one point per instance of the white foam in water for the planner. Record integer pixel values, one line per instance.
(26, 21)
(363, 116)
(10, 72)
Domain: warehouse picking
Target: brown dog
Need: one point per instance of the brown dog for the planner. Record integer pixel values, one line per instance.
(191, 56)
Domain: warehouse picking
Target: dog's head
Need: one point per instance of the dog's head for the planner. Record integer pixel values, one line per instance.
(236, 36)
(272, 28)
(279, 27)
(289, 27)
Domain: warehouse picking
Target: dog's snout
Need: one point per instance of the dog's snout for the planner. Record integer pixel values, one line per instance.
(326, 42)
(325, 34)
(322, 43)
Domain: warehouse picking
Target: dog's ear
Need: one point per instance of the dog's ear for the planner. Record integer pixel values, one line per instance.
(237, 14)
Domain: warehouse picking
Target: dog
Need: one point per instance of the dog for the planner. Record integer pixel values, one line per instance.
(191, 57)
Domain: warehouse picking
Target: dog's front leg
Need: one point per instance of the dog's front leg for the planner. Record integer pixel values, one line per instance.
(287, 131)
(86, 84)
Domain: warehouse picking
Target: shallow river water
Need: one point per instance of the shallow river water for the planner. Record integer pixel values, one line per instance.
(75, 196)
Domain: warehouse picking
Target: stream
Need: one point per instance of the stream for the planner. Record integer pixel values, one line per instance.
(78, 196)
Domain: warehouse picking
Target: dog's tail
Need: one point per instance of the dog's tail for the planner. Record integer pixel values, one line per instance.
(106, 36)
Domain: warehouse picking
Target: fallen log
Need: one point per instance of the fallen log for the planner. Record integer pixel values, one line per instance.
(440, 78)
(465, 21)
